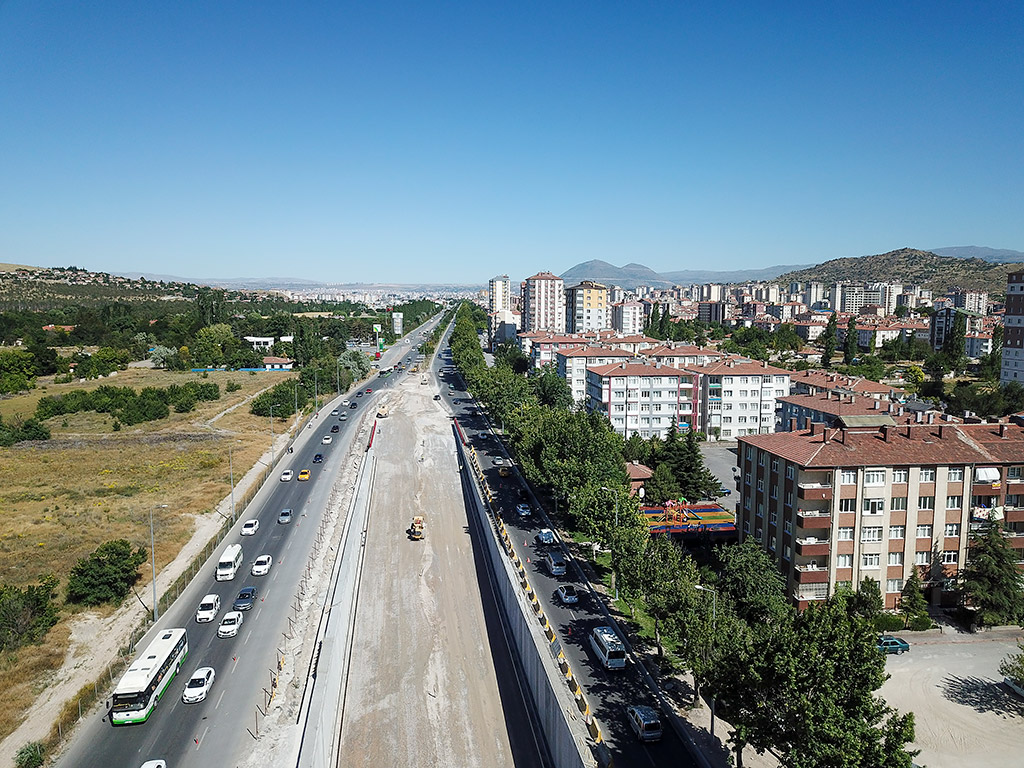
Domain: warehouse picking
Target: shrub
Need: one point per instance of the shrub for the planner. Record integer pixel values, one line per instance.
(889, 622)
(29, 756)
(920, 623)
(232, 386)
(106, 575)
(26, 614)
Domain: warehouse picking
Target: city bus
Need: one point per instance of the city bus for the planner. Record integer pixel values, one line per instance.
(147, 678)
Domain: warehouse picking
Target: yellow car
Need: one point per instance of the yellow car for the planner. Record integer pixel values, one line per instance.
(304, 474)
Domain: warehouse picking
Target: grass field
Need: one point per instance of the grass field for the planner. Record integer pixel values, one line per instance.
(61, 498)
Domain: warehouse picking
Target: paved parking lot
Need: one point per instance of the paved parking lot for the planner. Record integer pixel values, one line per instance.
(963, 714)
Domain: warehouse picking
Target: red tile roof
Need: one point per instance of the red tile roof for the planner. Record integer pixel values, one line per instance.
(637, 369)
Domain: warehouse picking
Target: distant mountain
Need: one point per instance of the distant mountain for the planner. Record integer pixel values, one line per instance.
(994, 255)
(912, 267)
(632, 275)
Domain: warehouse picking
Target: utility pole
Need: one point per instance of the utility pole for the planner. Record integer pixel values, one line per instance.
(152, 557)
(714, 626)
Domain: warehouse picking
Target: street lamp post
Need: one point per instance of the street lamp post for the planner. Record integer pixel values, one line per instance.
(714, 625)
(152, 557)
(615, 497)
(271, 434)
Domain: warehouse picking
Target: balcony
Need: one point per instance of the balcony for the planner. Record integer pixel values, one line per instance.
(1013, 514)
(811, 574)
(813, 519)
(812, 547)
(809, 595)
(814, 491)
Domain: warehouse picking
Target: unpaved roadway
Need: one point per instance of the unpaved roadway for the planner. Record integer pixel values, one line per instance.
(423, 684)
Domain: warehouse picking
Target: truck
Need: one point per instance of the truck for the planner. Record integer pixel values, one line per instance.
(416, 528)
(382, 412)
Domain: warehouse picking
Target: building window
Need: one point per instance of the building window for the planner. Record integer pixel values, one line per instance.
(761, 457)
(773, 518)
(786, 552)
(775, 465)
(956, 474)
(844, 534)
(950, 557)
(869, 561)
(760, 509)
(871, 533)
(954, 502)
(789, 498)
(760, 484)
(847, 505)
(924, 531)
(759, 535)
(952, 530)
(1013, 473)
(874, 506)
(927, 475)
(898, 503)
(844, 561)
(900, 475)
(895, 558)
(897, 531)
(922, 558)
(787, 526)
(894, 585)
(874, 477)
(848, 476)
(926, 502)
(789, 472)
(746, 478)
(746, 526)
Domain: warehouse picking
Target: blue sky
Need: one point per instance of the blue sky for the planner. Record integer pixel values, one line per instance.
(451, 141)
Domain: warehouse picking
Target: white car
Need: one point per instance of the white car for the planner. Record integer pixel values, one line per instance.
(498, 461)
(326, 440)
(261, 566)
(346, 402)
(209, 607)
(199, 685)
(545, 536)
(567, 594)
(154, 764)
(249, 527)
(230, 624)
(287, 475)
(334, 412)
(523, 510)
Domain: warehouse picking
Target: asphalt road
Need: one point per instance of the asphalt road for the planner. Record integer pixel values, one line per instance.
(609, 692)
(217, 731)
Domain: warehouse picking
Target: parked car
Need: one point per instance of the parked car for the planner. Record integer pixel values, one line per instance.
(199, 685)
(249, 527)
(437, 397)
(246, 599)
(644, 721)
(261, 565)
(230, 624)
(287, 475)
(284, 517)
(890, 644)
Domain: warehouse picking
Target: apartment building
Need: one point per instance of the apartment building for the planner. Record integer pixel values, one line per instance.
(1013, 330)
(679, 355)
(972, 301)
(628, 317)
(833, 506)
(812, 382)
(587, 308)
(738, 396)
(544, 303)
(499, 294)
(572, 365)
(840, 408)
(642, 398)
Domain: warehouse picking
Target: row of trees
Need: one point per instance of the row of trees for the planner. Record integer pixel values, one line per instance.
(800, 684)
(127, 405)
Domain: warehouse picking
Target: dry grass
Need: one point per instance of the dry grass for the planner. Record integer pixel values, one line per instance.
(61, 498)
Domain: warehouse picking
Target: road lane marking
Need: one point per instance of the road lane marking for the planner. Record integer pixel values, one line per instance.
(199, 741)
(219, 700)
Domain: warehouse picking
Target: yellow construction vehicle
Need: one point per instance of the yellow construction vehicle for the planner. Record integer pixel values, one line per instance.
(416, 528)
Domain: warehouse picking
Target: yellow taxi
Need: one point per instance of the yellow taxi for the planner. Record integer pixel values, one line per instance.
(304, 474)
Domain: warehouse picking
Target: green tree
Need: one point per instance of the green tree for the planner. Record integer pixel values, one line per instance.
(661, 486)
(26, 614)
(914, 376)
(30, 755)
(106, 575)
(682, 453)
(954, 345)
(867, 601)
(829, 340)
(1013, 665)
(850, 342)
(636, 449)
(654, 324)
(990, 580)
(551, 389)
(664, 584)
(749, 578)
(912, 602)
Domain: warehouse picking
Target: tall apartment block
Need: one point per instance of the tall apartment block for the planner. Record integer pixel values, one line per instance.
(499, 294)
(587, 308)
(1013, 330)
(833, 506)
(544, 303)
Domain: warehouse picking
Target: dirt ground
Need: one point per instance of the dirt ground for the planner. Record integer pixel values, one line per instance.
(422, 689)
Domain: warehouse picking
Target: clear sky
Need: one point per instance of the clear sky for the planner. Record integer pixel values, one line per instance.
(440, 141)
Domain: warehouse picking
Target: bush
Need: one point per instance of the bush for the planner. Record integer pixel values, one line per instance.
(185, 404)
(29, 756)
(889, 622)
(26, 614)
(920, 623)
(107, 575)
(232, 386)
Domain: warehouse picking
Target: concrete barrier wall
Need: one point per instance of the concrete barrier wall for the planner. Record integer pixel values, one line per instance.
(560, 706)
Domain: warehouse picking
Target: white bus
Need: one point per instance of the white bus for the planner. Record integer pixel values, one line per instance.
(148, 677)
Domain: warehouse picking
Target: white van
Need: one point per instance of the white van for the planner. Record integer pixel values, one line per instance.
(608, 647)
(229, 563)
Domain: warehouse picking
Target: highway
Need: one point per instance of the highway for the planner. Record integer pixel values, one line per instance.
(219, 730)
(609, 692)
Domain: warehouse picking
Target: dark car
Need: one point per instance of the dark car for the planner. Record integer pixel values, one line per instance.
(437, 397)
(353, 406)
(246, 599)
(359, 394)
(335, 428)
(318, 459)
